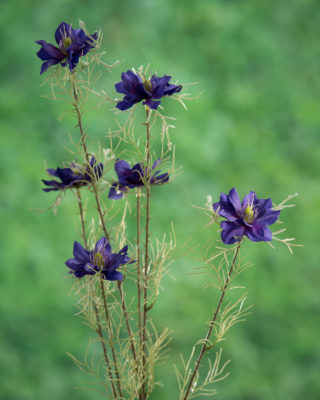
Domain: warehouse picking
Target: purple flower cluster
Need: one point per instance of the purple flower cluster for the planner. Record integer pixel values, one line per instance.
(100, 260)
(72, 44)
(129, 178)
(73, 177)
(136, 90)
(251, 217)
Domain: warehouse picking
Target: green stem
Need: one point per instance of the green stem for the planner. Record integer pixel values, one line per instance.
(146, 256)
(99, 331)
(110, 335)
(99, 328)
(138, 194)
(212, 322)
(124, 309)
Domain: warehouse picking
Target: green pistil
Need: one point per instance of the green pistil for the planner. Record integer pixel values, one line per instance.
(98, 260)
(147, 85)
(248, 214)
(66, 42)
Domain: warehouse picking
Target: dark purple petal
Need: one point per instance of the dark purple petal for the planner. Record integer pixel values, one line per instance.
(74, 264)
(89, 43)
(87, 269)
(158, 85)
(73, 43)
(267, 217)
(101, 243)
(122, 167)
(135, 90)
(161, 87)
(249, 200)
(136, 176)
(112, 275)
(80, 253)
(131, 81)
(45, 66)
(49, 52)
(159, 179)
(231, 232)
(225, 208)
(132, 86)
(98, 170)
(115, 192)
(151, 104)
(171, 89)
(234, 199)
(79, 35)
(259, 233)
(126, 103)
(67, 175)
(52, 172)
(55, 185)
(120, 88)
(80, 273)
(156, 163)
(103, 247)
(90, 269)
(251, 218)
(63, 31)
(263, 203)
(75, 47)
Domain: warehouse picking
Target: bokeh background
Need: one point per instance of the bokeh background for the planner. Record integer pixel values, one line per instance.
(256, 126)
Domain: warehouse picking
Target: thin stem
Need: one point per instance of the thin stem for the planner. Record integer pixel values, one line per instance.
(78, 112)
(212, 322)
(101, 216)
(110, 335)
(99, 328)
(83, 227)
(146, 254)
(138, 194)
(85, 149)
(124, 309)
(99, 331)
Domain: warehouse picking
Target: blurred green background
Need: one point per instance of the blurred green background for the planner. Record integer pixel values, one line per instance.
(256, 126)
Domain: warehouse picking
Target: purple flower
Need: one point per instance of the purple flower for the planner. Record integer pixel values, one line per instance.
(129, 178)
(250, 218)
(72, 44)
(73, 177)
(101, 259)
(135, 90)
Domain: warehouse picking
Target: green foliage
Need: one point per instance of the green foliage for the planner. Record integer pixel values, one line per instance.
(255, 127)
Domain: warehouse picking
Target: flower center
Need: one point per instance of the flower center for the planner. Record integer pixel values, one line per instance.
(66, 42)
(248, 214)
(147, 85)
(98, 260)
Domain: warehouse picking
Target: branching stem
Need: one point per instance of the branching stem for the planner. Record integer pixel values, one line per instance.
(85, 149)
(101, 217)
(212, 322)
(110, 335)
(146, 254)
(99, 328)
(138, 194)
(124, 309)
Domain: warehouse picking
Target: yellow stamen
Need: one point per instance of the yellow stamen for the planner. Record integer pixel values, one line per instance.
(66, 42)
(248, 214)
(147, 85)
(98, 260)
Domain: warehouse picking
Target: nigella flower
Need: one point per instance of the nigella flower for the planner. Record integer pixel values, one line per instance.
(73, 177)
(72, 44)
(250, 217)
(129, 178)
(135, 90)
(101, 259)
